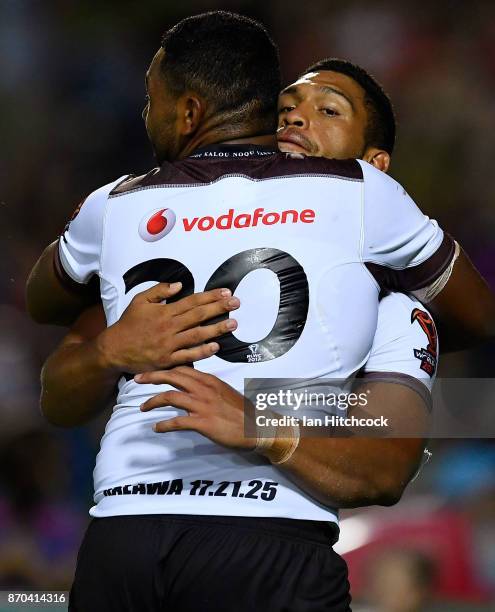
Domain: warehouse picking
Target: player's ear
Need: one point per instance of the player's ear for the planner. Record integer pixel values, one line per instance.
(378, 158)
(190, 113)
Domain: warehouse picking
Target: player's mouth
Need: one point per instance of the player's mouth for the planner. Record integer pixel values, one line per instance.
(290, 140)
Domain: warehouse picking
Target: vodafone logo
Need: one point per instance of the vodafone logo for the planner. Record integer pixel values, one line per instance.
(156, 224)
(259, 216)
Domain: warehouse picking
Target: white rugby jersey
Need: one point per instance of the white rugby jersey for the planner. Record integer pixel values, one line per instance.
(305, 244)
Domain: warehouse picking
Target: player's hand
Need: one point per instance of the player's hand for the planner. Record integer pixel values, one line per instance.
(152, 336)
(215, 409)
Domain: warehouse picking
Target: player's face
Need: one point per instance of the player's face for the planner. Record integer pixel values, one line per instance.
(160, 113)
(323, 114)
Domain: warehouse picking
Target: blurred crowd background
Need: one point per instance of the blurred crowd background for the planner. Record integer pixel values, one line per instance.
(71, 94)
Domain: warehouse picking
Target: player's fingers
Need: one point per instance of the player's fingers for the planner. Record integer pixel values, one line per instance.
(165, 377)
(178, 399)
(182, 423)
(200, 380)
(205, 312)
(196, 353)
(183, 377)
(198, 335)
(198, 299)
(158, 292)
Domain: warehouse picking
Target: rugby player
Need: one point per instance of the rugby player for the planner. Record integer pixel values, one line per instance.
(337, 110)
(385, 465)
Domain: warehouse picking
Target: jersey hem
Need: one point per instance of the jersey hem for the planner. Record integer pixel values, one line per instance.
(399, 378)
(97, 512)
(61, 268)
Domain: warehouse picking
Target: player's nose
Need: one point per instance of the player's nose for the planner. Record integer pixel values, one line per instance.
(296, 118)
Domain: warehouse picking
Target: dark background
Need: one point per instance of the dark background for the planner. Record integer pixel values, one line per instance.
(71, 94)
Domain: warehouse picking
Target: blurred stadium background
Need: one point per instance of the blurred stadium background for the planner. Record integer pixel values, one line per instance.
(72, 90)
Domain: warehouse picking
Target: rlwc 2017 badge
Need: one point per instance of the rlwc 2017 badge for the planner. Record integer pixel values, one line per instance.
(427, 355)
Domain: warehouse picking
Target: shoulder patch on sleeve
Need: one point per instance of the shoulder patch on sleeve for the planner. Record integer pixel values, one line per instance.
(427, 355)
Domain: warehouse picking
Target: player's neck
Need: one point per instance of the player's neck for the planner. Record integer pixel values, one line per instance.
(221, 137)
(264, 139)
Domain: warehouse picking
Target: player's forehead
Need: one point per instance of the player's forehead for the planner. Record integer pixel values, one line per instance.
(325, 82)
(153, 71)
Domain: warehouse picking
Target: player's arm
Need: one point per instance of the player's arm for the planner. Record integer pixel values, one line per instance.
(339, 472)
(79, 379)
(64, 280)
(48, 300)
(361, 471)
(406, 251)
(465, 307)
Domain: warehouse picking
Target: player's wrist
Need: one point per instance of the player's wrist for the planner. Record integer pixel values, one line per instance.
(107, 351)
(278, 445)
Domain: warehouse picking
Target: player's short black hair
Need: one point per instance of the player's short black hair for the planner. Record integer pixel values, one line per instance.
(380, 130)
(230, 60)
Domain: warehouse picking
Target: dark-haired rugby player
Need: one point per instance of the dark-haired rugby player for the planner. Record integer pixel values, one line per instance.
(229, 528)
(338, 110)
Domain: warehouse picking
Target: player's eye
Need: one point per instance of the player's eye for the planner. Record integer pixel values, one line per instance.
(330, 112)
(286, 109)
